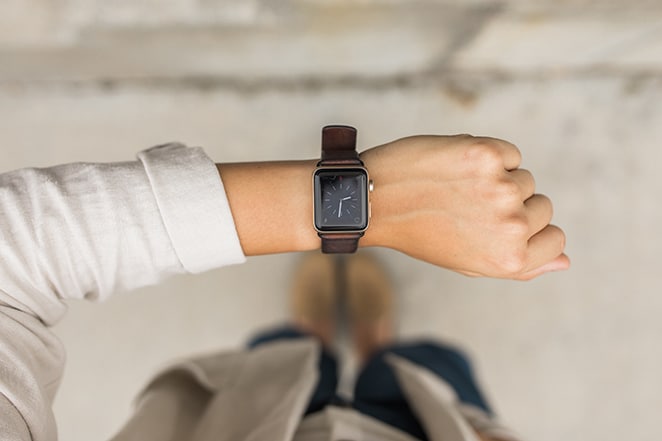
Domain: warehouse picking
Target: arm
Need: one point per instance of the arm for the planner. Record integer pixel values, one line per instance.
(459, 202)
(85, 231)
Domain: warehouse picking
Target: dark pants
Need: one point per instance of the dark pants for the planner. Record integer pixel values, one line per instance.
(377, 392)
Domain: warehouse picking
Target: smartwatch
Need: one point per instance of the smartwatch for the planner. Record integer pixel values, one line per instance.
(341, 188)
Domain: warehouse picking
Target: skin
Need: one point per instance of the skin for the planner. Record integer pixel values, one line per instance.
(458, 202)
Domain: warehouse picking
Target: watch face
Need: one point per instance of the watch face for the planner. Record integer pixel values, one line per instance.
(341, 199)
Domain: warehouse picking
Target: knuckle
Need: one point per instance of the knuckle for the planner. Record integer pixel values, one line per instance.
(508, 191)
(513, 263)
(464, 137)
(505, 197)
(485, 154)
(517, 226)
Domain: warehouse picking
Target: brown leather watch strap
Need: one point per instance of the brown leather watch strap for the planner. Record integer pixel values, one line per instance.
(340, 242)
(339, 146)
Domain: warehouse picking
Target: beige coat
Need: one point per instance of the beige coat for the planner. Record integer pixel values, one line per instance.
(260, 395)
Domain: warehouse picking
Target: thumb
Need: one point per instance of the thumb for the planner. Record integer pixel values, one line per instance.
(561, 263)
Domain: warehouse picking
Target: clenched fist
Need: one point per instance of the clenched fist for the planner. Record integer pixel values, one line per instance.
(462, 203)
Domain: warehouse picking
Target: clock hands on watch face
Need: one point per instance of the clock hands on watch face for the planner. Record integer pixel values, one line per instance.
(340, 199)
(340, 205)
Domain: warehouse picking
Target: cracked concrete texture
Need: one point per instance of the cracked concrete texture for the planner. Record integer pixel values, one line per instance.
(312, 41)
(306, 41)
(539, 41)
(41, 21)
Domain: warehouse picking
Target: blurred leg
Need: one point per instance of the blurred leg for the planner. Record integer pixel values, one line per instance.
(447, 362)
(379, 395)
(325, 391)
(371, 309)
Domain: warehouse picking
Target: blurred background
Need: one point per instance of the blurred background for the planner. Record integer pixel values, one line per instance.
(575, 84)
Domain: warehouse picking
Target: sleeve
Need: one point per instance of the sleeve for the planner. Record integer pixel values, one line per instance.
(86, 231)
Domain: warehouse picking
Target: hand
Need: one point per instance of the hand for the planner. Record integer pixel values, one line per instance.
(462, 203)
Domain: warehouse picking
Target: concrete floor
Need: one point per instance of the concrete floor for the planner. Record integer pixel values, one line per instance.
(570, 356)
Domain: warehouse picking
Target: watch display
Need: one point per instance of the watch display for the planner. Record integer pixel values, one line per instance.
(341, 199)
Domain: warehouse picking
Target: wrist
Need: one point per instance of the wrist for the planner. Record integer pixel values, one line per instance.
(378, 230)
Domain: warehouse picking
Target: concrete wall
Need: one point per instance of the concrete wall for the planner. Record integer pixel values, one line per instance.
(576, 84)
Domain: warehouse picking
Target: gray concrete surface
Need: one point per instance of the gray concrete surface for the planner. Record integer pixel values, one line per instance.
(575, 84)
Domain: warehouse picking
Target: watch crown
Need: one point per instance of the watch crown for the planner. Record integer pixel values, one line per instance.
(371, 185)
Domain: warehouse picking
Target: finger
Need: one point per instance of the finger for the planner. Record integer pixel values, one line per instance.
(561, 263)
(525, 181)
(539, 212)
(512, 157)
(544, 247)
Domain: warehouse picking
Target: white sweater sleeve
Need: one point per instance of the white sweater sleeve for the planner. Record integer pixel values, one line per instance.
(86, 231)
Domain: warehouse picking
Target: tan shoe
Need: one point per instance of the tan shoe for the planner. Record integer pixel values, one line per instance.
(313, 296)
(370, 304)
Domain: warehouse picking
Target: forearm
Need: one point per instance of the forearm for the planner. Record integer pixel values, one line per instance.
(271, 204)
(77, 231)
(85, 231)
